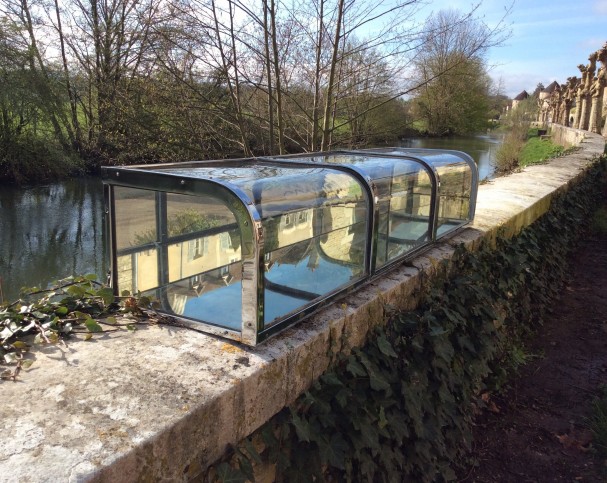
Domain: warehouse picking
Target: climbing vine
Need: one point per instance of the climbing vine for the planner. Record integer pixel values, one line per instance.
(76, 306)
(401, 407)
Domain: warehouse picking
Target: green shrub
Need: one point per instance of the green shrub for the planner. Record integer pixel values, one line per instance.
(31, 159)
(508, 154)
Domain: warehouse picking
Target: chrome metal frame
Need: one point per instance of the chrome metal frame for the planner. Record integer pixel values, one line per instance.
(249, 222)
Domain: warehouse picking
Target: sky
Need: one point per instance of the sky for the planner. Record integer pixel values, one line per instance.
(549, 38)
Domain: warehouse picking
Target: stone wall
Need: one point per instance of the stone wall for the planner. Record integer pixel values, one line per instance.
(165, 402)
(566, 136)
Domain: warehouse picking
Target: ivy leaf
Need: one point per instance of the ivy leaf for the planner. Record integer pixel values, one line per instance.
(355, 368)
(76, 291)
(385, 347)
(377, 381)
(253, 454)
(10, 358)
(436, 330)
(332, 379)
(227, 474)
(382, 418)
(268, 437)
(302, 427)
(80, 315)
(343, 397)
(92, 325)
(144, 302)
(107, 295)
(367, 465)
(370, 436)
(19, 345)
(61, 310)
(91, 276)
(333, 451)
(246, 468)
(6, 333)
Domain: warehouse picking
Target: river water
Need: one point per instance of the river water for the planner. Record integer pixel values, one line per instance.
(53, 231)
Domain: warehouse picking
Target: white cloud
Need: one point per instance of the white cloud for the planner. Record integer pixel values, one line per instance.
(600, 7)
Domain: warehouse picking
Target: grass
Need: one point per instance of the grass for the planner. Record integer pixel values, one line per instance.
(537, 150)
(524, 148)
(598, 422)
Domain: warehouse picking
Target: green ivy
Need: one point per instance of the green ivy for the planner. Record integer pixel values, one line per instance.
(76, 305)
(401, 408)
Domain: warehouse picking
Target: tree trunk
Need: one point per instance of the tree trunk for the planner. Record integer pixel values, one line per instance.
(327, 121)
(268, 64)
(317, 68)
(281, 127)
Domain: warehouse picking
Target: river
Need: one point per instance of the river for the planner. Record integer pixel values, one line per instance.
(53, 231)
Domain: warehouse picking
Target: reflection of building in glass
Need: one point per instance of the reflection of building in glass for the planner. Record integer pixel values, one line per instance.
(138, 271)
(217, 249)
(454, 199)
(180, 293)
(244, 246)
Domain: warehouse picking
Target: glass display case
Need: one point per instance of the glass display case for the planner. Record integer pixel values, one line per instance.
(242, 248)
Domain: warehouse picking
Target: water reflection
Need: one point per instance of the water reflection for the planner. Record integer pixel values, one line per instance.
(481, 147)
(50, 232)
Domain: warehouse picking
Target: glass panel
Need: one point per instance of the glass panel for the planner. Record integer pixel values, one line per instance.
(184, 250)
(135, 217)
(302, 188)
(202, 235)
(311, 251)
(454, 196)
(204, 260)
(405, 219)
(137, 258)
(302, 272)
(213, 296)
(404, 191)
(277, 190)
(454, 170)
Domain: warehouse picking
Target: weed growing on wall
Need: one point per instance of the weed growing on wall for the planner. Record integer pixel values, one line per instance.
(401, 407)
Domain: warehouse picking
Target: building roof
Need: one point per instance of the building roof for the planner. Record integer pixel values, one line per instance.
(523, 95)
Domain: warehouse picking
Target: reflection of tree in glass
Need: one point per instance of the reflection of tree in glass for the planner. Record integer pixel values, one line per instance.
(180, 223)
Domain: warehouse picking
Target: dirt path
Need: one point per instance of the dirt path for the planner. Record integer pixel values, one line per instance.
(537, 431)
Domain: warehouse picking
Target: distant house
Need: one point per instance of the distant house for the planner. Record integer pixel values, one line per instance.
(521, 97)
(551, 87)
